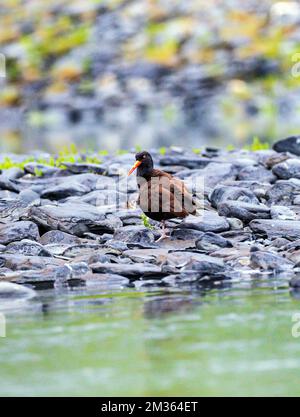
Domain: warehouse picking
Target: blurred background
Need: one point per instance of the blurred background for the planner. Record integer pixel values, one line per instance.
(114, 74)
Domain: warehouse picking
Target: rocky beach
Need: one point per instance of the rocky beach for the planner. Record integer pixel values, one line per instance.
(60, 225)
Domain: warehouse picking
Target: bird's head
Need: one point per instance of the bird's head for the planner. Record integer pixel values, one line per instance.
(144, 163)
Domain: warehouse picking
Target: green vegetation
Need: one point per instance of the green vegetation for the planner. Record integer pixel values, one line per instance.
(257, 145)
(196, 151)
(162, 150)
(146, 222)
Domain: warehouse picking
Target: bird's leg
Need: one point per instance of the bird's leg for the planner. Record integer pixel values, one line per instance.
(164, 232)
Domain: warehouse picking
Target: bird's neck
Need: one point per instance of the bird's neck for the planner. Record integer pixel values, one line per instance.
(145, 172)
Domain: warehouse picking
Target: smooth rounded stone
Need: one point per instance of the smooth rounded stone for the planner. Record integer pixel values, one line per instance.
(13, 173)
(296, 201)
(100, 257)
(282, 213)
(223, 193)
(75, 219)
(80, 168)
(209, 222)
(9, 290)
(244, 211)
(212, 175)
(275, 159)
(211, 241)
(191, 162)
(2, 248)
(20, 230)
(289, 229)
(279, 242)
(73, 251)
(287, 169)
(27, 247)
(116, 245)
(43, 170)
(252, 173)
(186, 234)
(283, 192)
(7, 184)
(29, 198)
(74, 185)
(56, 236)
(8, 194)
(17, 262)
(79, 269)
(134, 234)
(147, 255)
(234, 223)
(129, 270)
(207, 265)
(269, 261)
(63, 273)
(290, 144)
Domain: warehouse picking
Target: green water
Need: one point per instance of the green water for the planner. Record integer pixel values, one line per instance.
(231, 341)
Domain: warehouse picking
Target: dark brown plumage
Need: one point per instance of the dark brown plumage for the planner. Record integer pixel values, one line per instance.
(161, 196)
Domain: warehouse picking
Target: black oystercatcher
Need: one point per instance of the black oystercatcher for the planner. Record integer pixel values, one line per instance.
(161, 196)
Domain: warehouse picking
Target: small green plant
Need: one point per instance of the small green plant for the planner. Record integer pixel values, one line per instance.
(122, 151)
(146, 222)
(138, 148)
(257, 145)
(162, 150)
(197, 151)
(230, 147)
(38, 172)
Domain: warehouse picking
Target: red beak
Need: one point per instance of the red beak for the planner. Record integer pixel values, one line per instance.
(137, 164)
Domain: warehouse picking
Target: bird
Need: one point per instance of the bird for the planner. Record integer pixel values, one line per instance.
(161, 196)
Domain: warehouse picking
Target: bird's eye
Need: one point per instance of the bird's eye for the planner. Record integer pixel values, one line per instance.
(144, 156)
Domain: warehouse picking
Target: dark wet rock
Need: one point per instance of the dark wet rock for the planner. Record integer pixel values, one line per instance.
(135, 270)
(27, 247)
(282, 213)
(131, 234)
(75, 219)
(56, 236)
(116, 245)
(185, 161)
(211, 241)
(186, 234)
(269, 261)
(7, 184)
(287, 169)
(75, 185)
(290, 144)
(80, 168)
(289, 229)
(283, 192)
(209, 222)
(13, 232)
(223, 193)
(252, 173)
(244, 211)
(35, 168)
